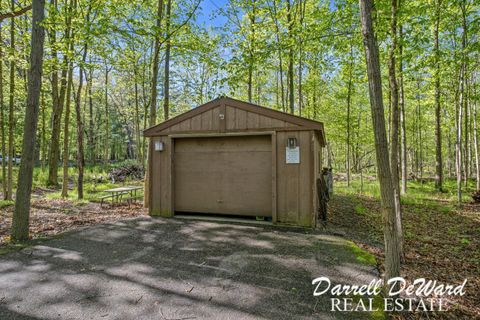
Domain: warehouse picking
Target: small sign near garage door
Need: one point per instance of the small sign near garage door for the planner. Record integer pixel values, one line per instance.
(292, 155)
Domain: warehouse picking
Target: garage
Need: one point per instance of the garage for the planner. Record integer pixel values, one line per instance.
(234, 158)
(224, 175)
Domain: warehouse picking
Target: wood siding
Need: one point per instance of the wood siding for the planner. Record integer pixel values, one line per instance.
(295, 182)
(234, 120)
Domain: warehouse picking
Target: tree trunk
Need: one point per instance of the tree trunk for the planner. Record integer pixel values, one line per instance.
(69, 36)
(91, 131)
(349, 102)
(78, 111)
(280, 60)
(57, 105)
(166, 89)
(402, 118)
(251, 53)
(475, 141)
(459, 112)
(137, 119)
(21, 215)
(66, 133)
(44, 132)
(107, 116)
(392, 254)
(438, 128)
(302, 5)
(291, 98)
(153, 100)
(394, 146)
(2, 122)
(11, 118)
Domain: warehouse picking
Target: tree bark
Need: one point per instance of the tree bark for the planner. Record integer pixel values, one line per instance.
(58, 98)
(153, 99)
(460, 104)
(107, 116)
(2, 122)
(21, 215)
(475, 141)
(166, 89)
(349, 102)
(66, 133)
(251, 49)
(78, 111)
(394, 146)
(402, 118)
(137, 118)
(392, 254)
(91, 131)
(438, 128)
(11, 115)
(291, 95)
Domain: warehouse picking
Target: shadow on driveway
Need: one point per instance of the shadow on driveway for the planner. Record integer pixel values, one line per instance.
(177, 269)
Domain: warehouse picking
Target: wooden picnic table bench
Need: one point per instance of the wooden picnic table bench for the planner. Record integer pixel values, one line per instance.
(116, 194)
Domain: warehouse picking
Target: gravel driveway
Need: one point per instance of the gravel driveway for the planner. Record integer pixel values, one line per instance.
(178, 269)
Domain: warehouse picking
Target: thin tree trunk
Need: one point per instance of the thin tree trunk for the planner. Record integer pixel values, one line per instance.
(21, 215)
(402, 118)
(392, 253)
(44, 133)
(475, 141)
(11, 117)
(251, 51)
(137, 118)
(57, 105)
(438, 128)
(66, 130)
(291, 98)
(349, 102)
(394, 147)
(279, 50)
(107, 116)
(460, 104)
(153, 100)
(2, 121)
(302, 5)
(91, 132)
(78, 111)
(166, 89)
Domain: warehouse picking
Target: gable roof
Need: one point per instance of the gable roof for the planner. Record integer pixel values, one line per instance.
(300, 122)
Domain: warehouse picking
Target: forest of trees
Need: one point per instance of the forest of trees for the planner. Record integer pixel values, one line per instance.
(113, 68)
(304, 57)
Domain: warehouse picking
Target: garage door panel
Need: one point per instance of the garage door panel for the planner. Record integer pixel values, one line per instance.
(224, 175)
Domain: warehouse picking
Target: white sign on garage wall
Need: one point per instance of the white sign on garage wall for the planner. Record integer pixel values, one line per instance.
(292, 155)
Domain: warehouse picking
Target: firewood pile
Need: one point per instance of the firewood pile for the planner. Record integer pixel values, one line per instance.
(476, 196)
(127, 171)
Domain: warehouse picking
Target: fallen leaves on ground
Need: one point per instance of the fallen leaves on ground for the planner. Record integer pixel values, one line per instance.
(52, 216)
(440, 244)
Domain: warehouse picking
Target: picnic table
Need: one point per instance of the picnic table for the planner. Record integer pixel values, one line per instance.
(128, 193)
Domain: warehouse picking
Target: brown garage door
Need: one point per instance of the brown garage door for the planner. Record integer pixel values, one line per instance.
(226, 175)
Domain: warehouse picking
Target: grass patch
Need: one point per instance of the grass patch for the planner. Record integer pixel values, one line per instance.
(6, 203)
(12, 247)
(360, 209)
(362, 256)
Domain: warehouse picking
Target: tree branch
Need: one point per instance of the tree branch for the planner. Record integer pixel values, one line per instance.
(14, 14)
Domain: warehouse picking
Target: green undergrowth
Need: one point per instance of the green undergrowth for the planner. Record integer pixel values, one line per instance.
(361, 255)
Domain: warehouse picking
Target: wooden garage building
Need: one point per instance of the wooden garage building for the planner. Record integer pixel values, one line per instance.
(236, 158)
